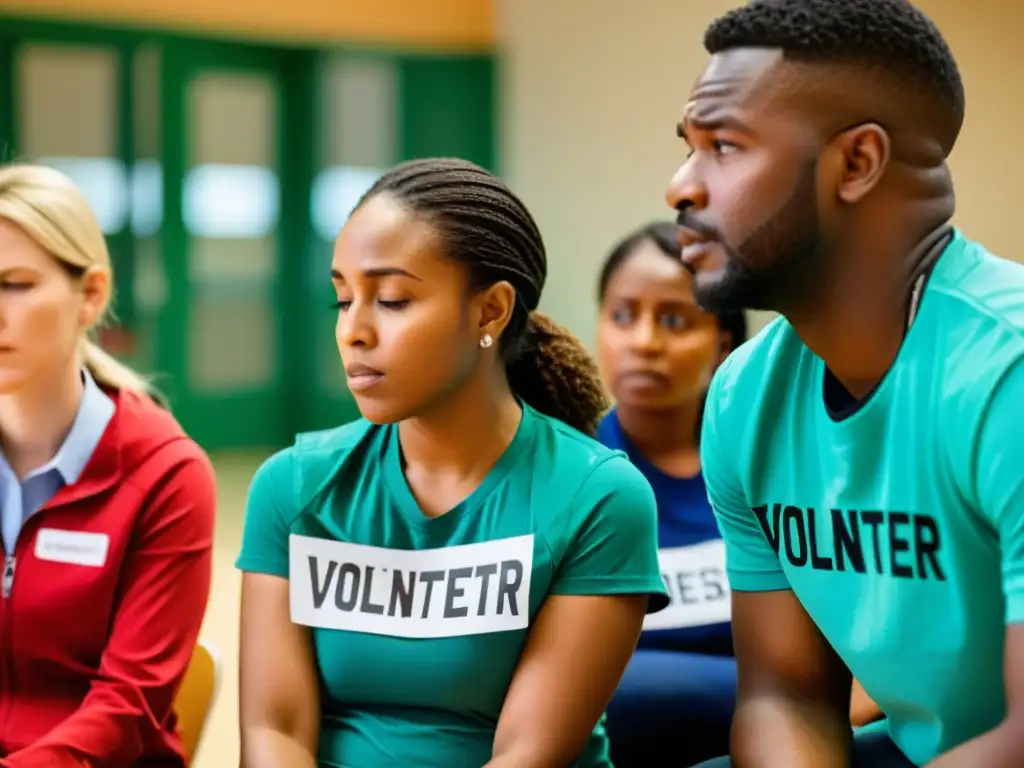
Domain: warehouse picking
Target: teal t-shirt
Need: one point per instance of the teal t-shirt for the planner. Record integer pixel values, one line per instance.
(418, 622)
(899, 525)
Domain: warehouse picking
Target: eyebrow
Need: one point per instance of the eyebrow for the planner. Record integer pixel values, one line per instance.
(713, 124)
(378, 272)
(660, 303)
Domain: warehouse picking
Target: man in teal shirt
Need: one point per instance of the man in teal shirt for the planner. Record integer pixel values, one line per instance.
(861, 452)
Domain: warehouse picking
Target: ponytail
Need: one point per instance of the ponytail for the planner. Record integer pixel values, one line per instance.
(554, 374)
(110, 373)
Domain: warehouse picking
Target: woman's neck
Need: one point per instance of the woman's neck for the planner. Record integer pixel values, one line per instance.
(666, 438)
(465, 436)
(36, 419)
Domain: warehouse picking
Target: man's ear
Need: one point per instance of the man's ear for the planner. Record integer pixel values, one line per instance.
(866, 150)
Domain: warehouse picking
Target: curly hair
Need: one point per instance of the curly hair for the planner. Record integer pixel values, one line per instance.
(892, 35)
(485, 226)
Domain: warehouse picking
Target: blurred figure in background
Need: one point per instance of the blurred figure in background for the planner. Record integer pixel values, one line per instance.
(377, 626)
(657, 351)
(106, 508)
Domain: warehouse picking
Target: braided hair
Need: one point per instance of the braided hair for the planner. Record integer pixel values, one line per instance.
(483, 225)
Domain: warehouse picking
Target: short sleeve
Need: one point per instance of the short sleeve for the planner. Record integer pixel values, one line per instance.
(998, 481)
(268, 513)
(751, 563)
(613, 549)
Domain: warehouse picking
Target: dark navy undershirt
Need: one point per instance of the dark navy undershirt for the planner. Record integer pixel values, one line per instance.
(684, 518)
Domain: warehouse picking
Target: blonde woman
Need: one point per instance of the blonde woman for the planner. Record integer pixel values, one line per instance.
(106, 507)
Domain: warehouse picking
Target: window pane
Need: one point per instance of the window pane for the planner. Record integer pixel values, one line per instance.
(335, 193)
(231, 207)
(231, 201)
(103, 181)
(67, 112)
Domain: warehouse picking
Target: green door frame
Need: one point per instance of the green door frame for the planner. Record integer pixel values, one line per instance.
(258, 418)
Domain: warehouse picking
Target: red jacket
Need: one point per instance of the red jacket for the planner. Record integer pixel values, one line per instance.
(96, 632)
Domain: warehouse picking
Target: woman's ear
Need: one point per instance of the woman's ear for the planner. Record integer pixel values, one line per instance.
(497, 303)
(95, 297)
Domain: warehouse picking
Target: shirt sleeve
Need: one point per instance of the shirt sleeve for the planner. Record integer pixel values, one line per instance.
(269, 511)
(998, 481)
(613, 549)
(165, 581)
(751, 563)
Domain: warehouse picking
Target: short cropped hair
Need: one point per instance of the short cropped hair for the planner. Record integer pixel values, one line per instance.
(893, 34)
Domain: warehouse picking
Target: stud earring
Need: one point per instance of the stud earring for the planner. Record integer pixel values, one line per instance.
(486, 340)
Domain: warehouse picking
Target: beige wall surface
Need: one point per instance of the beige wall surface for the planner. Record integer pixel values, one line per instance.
(592, 92)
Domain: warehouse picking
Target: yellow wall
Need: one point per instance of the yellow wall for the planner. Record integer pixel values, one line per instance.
(447, 24)
(592, 92)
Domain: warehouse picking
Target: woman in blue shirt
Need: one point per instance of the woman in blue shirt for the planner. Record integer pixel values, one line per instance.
(657, 351)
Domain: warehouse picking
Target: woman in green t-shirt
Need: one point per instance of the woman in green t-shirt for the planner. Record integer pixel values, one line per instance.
(460, 577)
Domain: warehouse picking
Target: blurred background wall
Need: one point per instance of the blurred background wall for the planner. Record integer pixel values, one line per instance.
(223, 143)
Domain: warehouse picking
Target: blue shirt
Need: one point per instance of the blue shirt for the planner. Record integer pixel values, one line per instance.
(20, 500)
(685, 518)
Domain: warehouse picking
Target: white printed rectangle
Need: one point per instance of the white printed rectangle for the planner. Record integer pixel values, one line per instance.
(697, 585)
(74, 547)
(470, 589)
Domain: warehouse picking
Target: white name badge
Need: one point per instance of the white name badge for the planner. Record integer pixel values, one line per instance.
(697, 586)
(471, 589)
(74, 547)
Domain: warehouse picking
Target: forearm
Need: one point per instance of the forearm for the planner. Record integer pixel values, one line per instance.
(768, 732)
(532, 751)
(526, 759)
(1002, 747)
(266, 747)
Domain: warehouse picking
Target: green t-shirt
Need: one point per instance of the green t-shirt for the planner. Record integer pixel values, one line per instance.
(418, 622)
(899, 525)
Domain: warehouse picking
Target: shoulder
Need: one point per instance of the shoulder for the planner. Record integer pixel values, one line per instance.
(299, 472)
(979, 300)
(976, 327)
(565, 455)
(151, 443)
(168, 471)
(585, 475)
(752, 371)
(747, 365)
(290, 483)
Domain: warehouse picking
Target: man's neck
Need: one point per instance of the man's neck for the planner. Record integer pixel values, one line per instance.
(858, 329)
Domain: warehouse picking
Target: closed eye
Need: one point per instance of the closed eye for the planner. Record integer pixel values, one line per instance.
(344, 304)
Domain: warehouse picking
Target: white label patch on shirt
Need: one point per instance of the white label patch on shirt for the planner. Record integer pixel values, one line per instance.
(74, 547)
(697, 587)
(470, 589)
